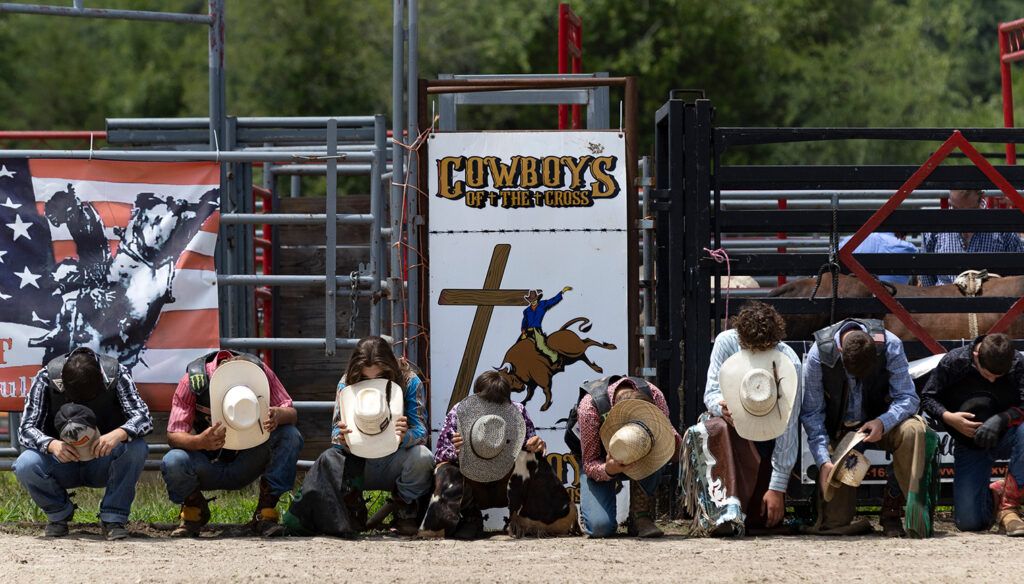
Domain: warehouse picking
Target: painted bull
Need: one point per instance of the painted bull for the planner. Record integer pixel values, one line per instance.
(525, 368)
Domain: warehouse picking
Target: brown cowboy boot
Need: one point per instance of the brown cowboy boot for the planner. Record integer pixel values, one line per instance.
(405, 515)
(265, 518)
(641, 510)
(891, 515)
(1006, 513)
(195, 513)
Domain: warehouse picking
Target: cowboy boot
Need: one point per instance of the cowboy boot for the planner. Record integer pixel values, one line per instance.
(891, 515)
(641, 521)
(406, 516)
(1006, 513)
(265, 518)
(195, 513)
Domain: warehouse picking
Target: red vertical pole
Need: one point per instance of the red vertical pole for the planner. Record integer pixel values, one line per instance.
(783, 203)
(1007, 82)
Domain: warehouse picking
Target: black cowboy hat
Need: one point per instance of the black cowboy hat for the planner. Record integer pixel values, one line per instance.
(534, 295)
(983, 405)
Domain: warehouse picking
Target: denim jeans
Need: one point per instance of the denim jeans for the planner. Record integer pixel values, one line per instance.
(409, 471)
(972, 501)
(48, 480)
(187, 471)
(597, 503)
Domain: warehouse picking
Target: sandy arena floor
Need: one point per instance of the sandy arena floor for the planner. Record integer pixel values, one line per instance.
(149, 557)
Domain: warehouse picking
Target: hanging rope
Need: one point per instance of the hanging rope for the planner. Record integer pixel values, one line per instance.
(832, 265)
(722, 257)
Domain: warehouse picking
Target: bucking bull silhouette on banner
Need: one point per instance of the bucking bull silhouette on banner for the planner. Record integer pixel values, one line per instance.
(113, 302)
(536, 358)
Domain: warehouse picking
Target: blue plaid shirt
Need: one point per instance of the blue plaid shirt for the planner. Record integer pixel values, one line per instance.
(901, 388)
(954, 243)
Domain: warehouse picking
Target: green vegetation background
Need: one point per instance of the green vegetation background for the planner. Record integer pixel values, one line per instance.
(765, 63)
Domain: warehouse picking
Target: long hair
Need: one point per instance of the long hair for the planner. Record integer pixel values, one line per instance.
(372, 351)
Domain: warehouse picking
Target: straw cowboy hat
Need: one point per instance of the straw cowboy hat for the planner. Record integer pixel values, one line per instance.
(76, 427)
(849, 465)
(637, 433)
(240, 400)
(760, 389)
(492, 436)
(369, 408)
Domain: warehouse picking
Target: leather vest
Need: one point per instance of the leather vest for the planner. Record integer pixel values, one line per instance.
(107, 405)
(197, 368)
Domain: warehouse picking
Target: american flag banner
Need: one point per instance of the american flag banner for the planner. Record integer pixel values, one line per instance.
(116, 256)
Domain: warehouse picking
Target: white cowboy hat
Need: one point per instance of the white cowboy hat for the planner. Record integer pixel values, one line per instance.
(492, 436)
(240, 400)
(849, 466)
(637, 433)
(369, 408)
(760, 389)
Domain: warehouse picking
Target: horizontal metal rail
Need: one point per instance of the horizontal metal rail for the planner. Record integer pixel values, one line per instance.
(287, 280)
(321, 169)
(750, 136)
(105, 13)
(283, 343)
(1005, 264)
(822, 304)
(293, 219)
(818, 194)
(857, 177)
(171, 155)
(906, 220)
(251, 122)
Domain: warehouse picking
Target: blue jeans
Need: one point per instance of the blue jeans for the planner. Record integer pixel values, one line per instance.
(597, 503)
(187, 471)
(972, 501)
(409, 471)
(48, 480)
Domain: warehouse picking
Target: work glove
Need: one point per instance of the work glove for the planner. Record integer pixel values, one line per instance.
(989, 433)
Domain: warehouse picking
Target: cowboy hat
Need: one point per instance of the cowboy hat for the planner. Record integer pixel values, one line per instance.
(849, 466)
(760, 389)
(369, 408)
(638, 434)
(533, 295)
(240, 400)
(492, 436)
(76, 427)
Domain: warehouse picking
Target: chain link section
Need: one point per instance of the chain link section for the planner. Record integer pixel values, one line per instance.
(354, 297)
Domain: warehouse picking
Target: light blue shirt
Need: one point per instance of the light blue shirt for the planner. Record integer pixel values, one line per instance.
(787, 446)
(905, 401)
(884, 242)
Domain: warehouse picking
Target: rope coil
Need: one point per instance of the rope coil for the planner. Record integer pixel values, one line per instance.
(722, 257)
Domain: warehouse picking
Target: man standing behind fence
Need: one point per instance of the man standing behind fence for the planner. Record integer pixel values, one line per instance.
(967, 242)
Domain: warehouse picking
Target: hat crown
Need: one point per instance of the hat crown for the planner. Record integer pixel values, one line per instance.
(758, 392)
(853, 468)
(630, 443)
(241, 407)
(372, 412)
(489, 436)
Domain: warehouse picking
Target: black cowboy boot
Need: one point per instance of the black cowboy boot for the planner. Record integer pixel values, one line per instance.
(641, 514)
(406, 516)
(891, 515)
(195, 513)
(265, 518)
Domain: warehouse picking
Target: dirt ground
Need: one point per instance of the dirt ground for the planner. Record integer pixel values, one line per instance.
(149, 556)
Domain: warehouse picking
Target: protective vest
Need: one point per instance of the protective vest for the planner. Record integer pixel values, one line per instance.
(199, 384)
(598, 391)
(106, 405)
(875, 388)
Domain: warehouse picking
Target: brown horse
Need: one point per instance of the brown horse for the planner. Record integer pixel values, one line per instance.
(527, 368)
(947, 326)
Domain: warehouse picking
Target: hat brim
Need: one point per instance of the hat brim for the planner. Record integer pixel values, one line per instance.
(84, 451)
(232, 374)
(375, 445)
(663, 445)
(486, 470)
(774, 423)
(848, 443)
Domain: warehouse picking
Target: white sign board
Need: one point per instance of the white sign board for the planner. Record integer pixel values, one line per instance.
(521, 216)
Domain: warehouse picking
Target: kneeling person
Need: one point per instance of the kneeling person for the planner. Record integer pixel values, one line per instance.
(750, 430)
(977, 393)
(231, 422)
(83, 426)
(624, 435)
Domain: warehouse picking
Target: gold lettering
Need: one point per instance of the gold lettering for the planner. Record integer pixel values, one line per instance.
(551, 171)
(604, 185)
(476, 174)
(529, 178)
(503, 175)
(446, 187)
(576, 167)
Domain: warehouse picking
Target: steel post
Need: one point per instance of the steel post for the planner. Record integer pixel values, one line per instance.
(377, 226)
(414, 219)
(397, 162)
(331, 245)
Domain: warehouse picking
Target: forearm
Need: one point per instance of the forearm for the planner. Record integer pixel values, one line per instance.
(184, 441)
(288, 415)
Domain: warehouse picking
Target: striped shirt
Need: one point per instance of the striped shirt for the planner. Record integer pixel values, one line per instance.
(31, 435)
(183, 404)
(787, 446)
(979, 243)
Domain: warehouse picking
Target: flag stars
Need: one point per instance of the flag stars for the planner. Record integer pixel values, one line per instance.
(4, 173)
(28, 278)
(20, 228)
(11, 204)
(2, 254)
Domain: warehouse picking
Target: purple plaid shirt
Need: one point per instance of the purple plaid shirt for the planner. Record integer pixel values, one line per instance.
(954, 243)
(445, 451)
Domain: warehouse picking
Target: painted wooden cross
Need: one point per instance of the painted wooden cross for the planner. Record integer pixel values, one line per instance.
(485, 299)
